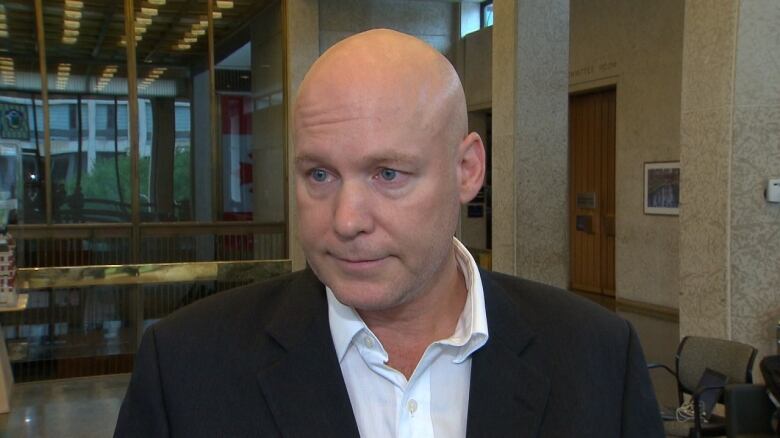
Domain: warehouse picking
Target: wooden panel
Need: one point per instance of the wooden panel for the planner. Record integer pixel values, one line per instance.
(592, 170)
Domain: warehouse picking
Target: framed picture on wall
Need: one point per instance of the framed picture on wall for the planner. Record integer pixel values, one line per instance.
(662, 188)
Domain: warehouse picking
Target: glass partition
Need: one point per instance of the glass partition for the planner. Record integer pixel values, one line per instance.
(205, 181)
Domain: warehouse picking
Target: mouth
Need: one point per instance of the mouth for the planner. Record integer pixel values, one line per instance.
(358, 263)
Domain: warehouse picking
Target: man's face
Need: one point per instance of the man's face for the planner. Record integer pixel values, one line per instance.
(377, 198)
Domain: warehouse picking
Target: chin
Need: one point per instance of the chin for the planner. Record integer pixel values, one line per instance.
(365, 297)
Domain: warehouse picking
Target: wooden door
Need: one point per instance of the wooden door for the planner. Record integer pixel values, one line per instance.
(592, 191)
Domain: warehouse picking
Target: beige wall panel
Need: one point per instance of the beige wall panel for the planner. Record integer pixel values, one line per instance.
(706, 144)
(755, 224)
(638, 48)
(301, 19)
(477, 77)
(434, 22)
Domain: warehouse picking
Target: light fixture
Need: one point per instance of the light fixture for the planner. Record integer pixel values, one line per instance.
(3, 34)
(182, 46)
(143, 20)
(63, 67)
(71, 24)
(70, 33)
(216, 14)
(140, 30)
(3, 26)
(74, 4)
(69, 40)
(204, 22)
(150, 12)
(198, 32)
(157, 2)
(190, 40)
(225, 4)
(75, 15)
(139, 37)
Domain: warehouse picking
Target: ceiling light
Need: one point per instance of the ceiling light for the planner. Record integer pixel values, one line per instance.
(151, 12)
(224, 4)
(216, 14)
(198, 32)
(76, 15)
(157, 2)
(74, 4)
(182, 46)
(3, 34)
(143, 20)
(63, 67)
(70, 24)
(140, 29)
(139, 37)
(6, 68)
(71, 33)
(190, 40)
(3, 26)
(204, 23)
(69, 40)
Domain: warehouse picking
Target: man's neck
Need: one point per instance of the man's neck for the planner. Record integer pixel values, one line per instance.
(407, 330)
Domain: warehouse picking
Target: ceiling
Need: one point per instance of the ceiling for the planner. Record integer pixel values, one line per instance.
(101, 31)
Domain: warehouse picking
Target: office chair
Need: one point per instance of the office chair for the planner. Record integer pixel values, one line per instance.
(694, 355)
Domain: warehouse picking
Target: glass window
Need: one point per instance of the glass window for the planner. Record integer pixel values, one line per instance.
(487, 14)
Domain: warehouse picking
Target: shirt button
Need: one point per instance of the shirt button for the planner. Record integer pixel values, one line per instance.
(369, 342)
(412, 406)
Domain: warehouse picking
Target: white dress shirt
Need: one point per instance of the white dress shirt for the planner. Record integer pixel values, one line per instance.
(434, 401)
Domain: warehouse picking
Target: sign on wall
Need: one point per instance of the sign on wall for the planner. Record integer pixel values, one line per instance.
(13, 122)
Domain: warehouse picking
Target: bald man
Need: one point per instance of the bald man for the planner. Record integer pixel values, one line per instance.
(393, 331)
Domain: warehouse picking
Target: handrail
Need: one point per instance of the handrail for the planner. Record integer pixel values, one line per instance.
(149, 273)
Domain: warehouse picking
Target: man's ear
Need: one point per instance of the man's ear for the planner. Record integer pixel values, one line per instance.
(471, 167)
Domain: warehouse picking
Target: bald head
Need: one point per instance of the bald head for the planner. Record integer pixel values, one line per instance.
(408, 80)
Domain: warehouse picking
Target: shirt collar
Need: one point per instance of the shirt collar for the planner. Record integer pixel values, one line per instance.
(470, 334)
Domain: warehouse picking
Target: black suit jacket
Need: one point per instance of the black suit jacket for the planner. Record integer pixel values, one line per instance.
(260, 361)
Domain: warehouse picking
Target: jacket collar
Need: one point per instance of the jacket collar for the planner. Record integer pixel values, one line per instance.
(509, 388)
(305, 391)
(302, 381)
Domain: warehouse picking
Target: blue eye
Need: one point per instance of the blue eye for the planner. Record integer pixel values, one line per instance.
(319, 175)
(388, 174)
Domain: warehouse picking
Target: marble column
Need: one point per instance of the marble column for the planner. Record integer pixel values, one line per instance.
(302, 47)
(530, 139)
(730, 134)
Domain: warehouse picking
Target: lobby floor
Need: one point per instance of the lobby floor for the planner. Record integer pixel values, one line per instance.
(87, 407)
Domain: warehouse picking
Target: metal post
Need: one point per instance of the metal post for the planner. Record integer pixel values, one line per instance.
(45, 101)
(216, 166)
(137, 299)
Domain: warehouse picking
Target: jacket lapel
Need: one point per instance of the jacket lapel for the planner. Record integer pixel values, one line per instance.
(302, 381)
(509, 389)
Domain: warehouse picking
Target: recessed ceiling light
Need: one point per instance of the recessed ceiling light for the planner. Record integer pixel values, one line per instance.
(151, 12)
(74, 4)
(70, 33)
(3, 34)
(157, 2)
(76, 15)
(71, 24)
(190, 40)
(216, 14)
(69, 40)
(182, 46)
(143, 20)
(198, 32)
(224, 4)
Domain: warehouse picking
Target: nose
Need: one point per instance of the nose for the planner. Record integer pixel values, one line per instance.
(352, 215)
